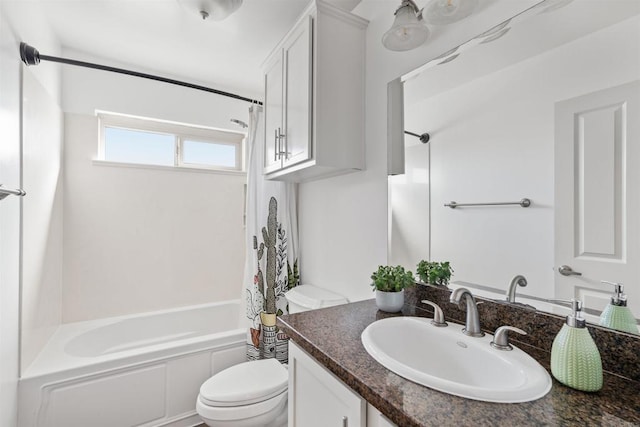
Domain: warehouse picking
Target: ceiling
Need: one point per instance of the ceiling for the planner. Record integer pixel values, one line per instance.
(166, 38)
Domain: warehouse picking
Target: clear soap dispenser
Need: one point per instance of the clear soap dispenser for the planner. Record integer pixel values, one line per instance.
(575, 359)
(616, 314)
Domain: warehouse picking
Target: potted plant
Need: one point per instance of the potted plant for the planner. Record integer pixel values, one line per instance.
(389, 284)
(435, 273)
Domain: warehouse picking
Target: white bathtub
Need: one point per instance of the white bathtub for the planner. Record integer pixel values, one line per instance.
(141, 370)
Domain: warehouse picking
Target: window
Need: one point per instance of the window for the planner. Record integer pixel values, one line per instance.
(133, 140)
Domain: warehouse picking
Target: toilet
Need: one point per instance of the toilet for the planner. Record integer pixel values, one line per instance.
(254, 393)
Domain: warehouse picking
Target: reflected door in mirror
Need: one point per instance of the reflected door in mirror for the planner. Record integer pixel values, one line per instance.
(597, 228)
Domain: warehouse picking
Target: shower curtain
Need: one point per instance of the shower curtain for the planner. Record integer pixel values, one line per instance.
(271, 266)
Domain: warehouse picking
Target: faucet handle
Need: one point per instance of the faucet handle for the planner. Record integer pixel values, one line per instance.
(501, 337)
(438, 315)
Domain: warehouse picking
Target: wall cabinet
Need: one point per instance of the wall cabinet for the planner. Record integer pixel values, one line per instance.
(314, 97)
(318, 399)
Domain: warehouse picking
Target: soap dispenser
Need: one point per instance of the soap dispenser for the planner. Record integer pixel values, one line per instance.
(616, 314)
(575, 359)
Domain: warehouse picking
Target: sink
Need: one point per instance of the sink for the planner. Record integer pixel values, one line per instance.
(445, 359)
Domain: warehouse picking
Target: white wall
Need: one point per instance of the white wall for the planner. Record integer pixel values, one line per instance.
(142, 239)
(343, 220)
(495, 142)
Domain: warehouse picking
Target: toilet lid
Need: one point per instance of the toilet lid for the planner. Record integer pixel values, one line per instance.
(312, 297)
(245, 383)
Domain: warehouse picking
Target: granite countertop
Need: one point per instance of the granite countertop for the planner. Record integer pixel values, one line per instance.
(332, 336)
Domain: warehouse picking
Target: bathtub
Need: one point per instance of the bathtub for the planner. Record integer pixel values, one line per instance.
(140, 370)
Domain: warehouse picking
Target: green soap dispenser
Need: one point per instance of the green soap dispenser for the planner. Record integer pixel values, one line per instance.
(575, 359)
(616, 314)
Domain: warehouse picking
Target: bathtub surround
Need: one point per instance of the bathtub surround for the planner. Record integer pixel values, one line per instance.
(272, 242)
(408, 404)
(42, 235)
(142, 239)
(139, 239)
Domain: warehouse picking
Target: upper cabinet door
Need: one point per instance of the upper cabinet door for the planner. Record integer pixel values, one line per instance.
(273, 123)
(296, 144)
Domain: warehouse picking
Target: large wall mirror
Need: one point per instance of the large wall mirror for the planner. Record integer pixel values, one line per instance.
(545, 106)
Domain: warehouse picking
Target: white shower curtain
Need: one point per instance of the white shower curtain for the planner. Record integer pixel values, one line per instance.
(271, 266)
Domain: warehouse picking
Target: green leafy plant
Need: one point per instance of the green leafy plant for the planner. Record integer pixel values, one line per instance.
(392, 279)
(436, 273)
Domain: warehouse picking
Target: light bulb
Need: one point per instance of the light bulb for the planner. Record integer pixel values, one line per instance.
(443, 12)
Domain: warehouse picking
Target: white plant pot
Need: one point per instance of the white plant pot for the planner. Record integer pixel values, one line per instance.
(391, 302)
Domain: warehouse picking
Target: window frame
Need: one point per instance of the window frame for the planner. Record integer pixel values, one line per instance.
(181, 132)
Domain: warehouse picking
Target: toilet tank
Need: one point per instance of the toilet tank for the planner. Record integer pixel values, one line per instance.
(310, 297)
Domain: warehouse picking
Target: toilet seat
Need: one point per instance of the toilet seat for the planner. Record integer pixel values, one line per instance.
(237, 413)
(245, 384)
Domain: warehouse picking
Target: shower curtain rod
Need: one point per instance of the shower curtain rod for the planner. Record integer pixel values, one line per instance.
(31, 56)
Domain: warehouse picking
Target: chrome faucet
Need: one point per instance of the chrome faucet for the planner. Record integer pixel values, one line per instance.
(518, 280)
(472, 324)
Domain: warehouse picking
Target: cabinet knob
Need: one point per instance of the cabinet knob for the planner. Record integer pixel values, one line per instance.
(345, 421)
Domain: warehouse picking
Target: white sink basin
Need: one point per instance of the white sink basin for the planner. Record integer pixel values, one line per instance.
(447, 360)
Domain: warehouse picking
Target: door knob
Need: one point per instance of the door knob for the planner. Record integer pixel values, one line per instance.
(565, 270)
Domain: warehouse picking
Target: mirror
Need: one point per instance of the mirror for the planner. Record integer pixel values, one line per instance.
(545, 107)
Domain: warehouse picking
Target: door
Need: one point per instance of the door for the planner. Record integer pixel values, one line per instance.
(273, 104)
(597, 202)
(298, 90)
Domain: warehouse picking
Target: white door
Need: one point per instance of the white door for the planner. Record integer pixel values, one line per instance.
(597, 201)
(298, 89)
(273, 103)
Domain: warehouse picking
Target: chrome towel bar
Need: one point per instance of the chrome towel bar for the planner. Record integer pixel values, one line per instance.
(525, 203)
(4, 192)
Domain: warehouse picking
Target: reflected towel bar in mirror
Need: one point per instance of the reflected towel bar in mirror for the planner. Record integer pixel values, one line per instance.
(525, 203)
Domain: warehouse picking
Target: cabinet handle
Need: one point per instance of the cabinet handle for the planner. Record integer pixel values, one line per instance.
(286, 147)
(275, 145)
(278, 145)
(345, 421)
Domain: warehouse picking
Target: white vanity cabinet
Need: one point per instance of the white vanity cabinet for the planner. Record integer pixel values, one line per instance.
(318, 399)
(314, 97)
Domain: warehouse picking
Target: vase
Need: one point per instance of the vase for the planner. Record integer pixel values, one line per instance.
(391, 302)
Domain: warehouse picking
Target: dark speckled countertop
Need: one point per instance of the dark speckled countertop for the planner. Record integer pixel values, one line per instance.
(332, 337)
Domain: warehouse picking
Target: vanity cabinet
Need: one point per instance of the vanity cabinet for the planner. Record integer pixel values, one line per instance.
(318, 399)
(314, 97)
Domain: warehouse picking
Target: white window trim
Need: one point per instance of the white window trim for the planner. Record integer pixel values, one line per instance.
(180, 131)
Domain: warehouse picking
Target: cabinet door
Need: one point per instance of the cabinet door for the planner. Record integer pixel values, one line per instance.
(317, 398)
(298, 93)
(273, 107)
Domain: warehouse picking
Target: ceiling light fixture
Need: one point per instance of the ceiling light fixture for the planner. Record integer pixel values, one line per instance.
(408, 30)
(444, 12)
(215, 10)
